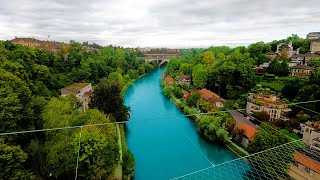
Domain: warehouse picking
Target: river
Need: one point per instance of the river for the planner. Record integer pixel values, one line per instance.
(165, 143)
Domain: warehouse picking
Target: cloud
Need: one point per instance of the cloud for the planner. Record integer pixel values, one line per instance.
(162, 23)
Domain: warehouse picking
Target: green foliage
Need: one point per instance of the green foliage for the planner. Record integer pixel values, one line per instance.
(199, 76)
(116, 77)
(168, 90)
(128, 163)
(98, 144)
(133, 73)
(267, 138)
(177, 91)
(279, 68)
(186, 68)
(98, 154)
(262, 116)
(315, 62)
(258, 51)
(211, 128)
(12, 159)
(111, 91)
(193, 99)
(15, 98)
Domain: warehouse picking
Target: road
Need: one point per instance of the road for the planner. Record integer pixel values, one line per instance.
(239, 118)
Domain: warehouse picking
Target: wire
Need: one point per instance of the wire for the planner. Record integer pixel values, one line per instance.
(241, 158)
(76, 176)
(123, 122)
(307, 109)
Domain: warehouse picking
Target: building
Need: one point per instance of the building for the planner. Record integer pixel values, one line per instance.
(305, 165)
(211, 97)
(311, 134)
(169, 80)
(248, 131)
(35, 43)
(301, 71)
(185, 79)
(272, 55)
(286, 48)
(302, 59)
(270, 103)
(315, 46)
(82, 91)
(313, 35)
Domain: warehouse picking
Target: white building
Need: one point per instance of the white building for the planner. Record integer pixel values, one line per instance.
(82, 91)
(273, 105)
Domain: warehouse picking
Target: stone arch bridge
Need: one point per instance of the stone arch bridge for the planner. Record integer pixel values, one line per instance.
(159, 57)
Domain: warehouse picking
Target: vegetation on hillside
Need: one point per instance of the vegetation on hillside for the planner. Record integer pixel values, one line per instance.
(31, 80)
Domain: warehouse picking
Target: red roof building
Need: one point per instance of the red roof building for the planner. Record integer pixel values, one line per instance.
(211, 97)
(169, 80)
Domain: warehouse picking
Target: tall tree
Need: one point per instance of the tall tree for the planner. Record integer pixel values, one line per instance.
(107, 98)
(199, 76)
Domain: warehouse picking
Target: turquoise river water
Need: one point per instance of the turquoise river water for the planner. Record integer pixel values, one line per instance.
(164, 142)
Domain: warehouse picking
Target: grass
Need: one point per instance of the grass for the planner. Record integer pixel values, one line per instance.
(290, 134)
(277, 84)
(236, 149)
(123, 138)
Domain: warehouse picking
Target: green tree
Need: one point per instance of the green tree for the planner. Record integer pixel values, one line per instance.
(267, 138)
(107, 98)
(12, 160)
(186, 68)
(193, 99)
(199, 76)
(257, 49)
(133, 73)
(116, 77)
(15, 98)
(262, 116)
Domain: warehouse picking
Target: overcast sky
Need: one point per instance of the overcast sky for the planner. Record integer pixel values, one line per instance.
(159, 23)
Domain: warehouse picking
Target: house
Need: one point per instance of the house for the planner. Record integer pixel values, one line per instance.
(302, 59)
(211, 97)
(272, 55)
(311, 134)
(315, 46)
(286, 48)
(35, 43)
(313, 35)
(82, 91)
(270, 103)
(169, 80)
(186, 94)
(185, 79)
(262, 68)
(301, 71)
(248, 132)
(305, 165)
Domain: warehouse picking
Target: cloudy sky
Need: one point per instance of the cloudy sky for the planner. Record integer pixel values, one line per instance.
(159, 23)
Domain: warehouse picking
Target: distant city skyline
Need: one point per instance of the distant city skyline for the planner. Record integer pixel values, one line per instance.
(162, 23)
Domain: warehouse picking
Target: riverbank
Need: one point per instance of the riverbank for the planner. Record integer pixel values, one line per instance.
(121, 133)
(195, 115)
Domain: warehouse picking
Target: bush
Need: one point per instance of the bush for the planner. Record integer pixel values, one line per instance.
(127, 163)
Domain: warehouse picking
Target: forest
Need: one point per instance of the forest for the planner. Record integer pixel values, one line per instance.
(31, 80)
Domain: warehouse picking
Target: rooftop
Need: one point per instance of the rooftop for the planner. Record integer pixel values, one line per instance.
(308, 158)
(207, 94)
(304, 67)
(75, 87)
(249, 131)
(169, 80)
(182, 77)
